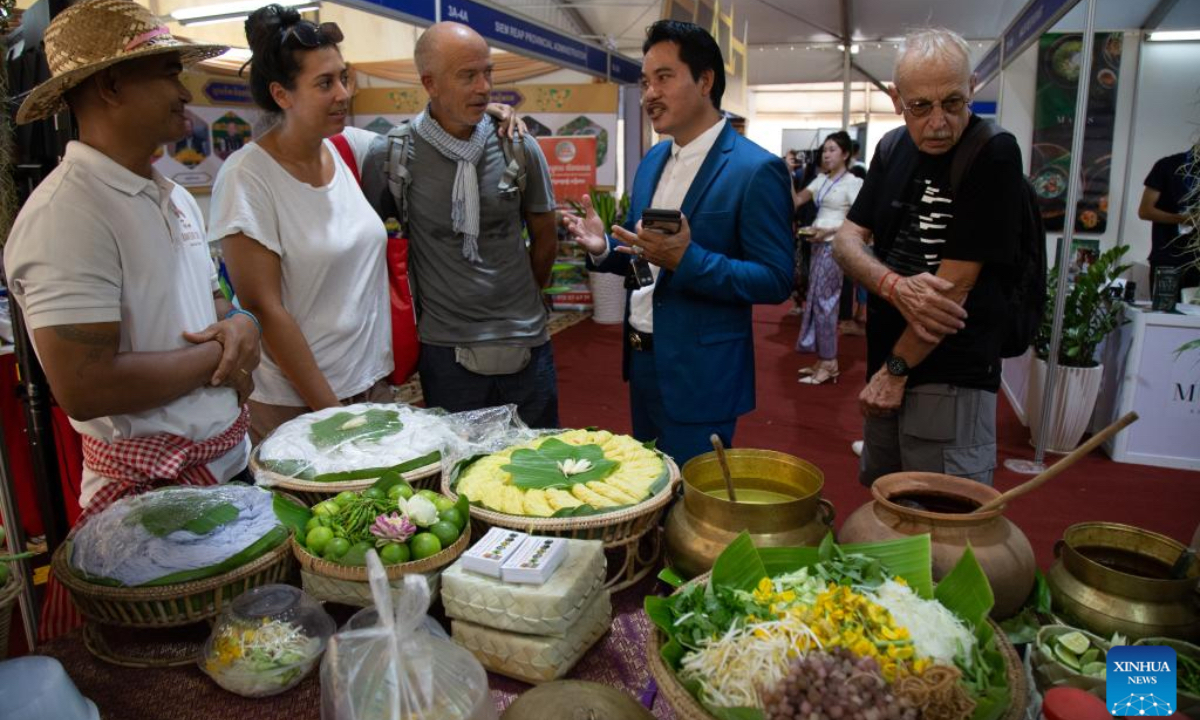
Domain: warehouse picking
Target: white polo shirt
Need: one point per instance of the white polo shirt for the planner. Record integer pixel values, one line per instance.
(98, 243)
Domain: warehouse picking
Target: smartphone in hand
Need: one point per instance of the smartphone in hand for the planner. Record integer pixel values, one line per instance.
(667, 222)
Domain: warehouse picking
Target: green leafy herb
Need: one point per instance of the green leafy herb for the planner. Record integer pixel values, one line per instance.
(543, 468)
(341, 427)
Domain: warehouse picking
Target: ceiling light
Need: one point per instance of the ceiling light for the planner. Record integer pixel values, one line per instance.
(853, 48)
(231, 11)
(1174, 35)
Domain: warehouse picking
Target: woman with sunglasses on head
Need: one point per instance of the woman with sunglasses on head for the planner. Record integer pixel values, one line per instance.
(833, 192)
(304, 249)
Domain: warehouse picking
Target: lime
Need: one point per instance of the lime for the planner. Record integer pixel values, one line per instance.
(453, 516)
(374, 493)
(1091, 656)
(317, 539)
(390, 476)
(345, 497)
(314, 521)
(400, 489)
(430, 495)
(1094, 669)
(1066, 657)
(425, 545)
(441, 502)
(393, 553)
(325, 508)
(1076, 642)
(446, 532)
(336, 548)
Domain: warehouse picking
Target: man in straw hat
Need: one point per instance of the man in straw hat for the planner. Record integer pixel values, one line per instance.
(107, 260)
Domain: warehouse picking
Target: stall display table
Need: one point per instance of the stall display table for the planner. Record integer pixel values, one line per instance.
(617, 660)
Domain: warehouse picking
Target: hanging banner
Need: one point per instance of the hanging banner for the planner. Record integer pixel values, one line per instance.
(582, 110)
(572, 162)
(1054, 117)
(220, 120)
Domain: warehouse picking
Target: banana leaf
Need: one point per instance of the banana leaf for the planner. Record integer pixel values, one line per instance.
(368, 473)
(374, 424)
(293, 515)
(197, 515)
(539, 468)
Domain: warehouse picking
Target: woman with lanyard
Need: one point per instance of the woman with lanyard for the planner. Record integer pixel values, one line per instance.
(833, 192)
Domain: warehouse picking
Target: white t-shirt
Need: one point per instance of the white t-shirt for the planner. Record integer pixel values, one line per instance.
(331, 247)
(98, 243)
(834, 198)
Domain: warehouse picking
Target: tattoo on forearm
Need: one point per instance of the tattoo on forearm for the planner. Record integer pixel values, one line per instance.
(96, 343)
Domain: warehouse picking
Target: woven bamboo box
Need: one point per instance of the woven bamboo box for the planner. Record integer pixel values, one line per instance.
(536, 658)
(549, 609)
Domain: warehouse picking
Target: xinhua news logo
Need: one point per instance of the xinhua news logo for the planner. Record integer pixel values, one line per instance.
(1140, 680)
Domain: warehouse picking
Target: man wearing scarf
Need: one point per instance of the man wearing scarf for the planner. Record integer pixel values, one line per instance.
(480, 316)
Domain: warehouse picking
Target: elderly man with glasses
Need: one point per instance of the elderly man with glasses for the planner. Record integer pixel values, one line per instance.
(945, 249)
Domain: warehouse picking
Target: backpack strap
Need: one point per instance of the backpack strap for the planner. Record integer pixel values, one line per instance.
(395, 168)
(968, 148)
(516, 164)
(343, 147)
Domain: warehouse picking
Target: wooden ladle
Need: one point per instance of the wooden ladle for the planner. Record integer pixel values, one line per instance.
(1094, 442)
(724, 462)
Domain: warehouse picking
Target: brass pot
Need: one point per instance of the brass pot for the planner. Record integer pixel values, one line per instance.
(1105, 579)
(1001, 548)
(700, 527)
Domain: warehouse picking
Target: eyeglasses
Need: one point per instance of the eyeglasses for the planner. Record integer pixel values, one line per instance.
(922, 108)
(311, 35)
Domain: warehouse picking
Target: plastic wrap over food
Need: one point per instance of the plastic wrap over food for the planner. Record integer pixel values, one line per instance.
(482, 432)
(142, 539)
(369, 438)
(395, 670)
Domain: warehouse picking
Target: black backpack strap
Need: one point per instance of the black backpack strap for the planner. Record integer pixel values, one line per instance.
(968, 148)
(897, 154)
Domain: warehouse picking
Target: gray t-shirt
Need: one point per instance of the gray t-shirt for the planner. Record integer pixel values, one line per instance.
(460, 303)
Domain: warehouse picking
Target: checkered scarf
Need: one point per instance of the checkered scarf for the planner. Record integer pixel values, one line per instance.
(464, 202)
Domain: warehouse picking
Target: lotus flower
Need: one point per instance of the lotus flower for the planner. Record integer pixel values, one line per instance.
(571, 466)
(393, 528)
(422, 511)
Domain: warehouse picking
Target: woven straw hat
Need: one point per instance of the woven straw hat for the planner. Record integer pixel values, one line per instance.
(95, 34)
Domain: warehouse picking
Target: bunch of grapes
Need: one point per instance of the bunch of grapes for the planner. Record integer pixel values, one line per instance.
(838, 685)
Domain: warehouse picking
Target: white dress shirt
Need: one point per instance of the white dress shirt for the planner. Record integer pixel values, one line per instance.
(673, 186)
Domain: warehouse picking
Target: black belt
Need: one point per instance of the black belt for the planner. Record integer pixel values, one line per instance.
(641, 341)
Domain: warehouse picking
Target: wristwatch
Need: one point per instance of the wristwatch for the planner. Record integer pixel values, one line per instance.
(896, 366)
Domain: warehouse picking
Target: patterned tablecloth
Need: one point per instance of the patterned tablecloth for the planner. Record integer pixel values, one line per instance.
(617, 660)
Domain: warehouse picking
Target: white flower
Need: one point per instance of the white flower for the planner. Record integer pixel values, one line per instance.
(421, 511)
(571, 467)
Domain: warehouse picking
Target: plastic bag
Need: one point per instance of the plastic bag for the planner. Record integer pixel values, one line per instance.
(370, 437)
(482, 432)
(395, 670)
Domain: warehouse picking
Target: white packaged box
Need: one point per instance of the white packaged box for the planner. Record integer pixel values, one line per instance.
(535, 561)
(488, 555)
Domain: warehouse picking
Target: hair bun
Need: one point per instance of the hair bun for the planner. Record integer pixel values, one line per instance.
(264, 25)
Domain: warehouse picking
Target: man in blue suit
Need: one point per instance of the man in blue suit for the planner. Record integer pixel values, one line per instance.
(689, 345)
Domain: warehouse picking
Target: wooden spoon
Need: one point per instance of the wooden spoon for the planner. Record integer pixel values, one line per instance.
(1094, 442)
(720, 448)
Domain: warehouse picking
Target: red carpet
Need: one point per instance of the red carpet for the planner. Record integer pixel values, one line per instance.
(819, 423)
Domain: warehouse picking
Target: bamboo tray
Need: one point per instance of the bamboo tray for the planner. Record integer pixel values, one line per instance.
(312, 492)
(687, 707)
(357, 573)
(633, 534)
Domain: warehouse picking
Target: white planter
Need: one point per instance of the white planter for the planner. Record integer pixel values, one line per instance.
(1075, 392)
(608, 298)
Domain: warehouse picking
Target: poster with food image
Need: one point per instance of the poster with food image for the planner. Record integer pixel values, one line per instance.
(1054, 119)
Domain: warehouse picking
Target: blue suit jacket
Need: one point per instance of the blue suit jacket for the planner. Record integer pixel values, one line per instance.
(739, 209)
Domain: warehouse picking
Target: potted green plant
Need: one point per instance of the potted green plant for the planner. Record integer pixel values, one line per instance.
(608, 290)
(1091, 312)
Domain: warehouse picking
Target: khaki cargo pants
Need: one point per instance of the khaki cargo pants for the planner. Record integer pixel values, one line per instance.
(939, 428)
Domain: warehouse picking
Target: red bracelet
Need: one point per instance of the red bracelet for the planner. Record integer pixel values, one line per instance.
(882, 281)
(887, 295)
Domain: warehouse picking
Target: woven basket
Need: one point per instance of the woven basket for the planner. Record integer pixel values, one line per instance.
(8, 598)
(687, 707)
(357, 573)
(312, 492)
(620, 530)
(169, 605)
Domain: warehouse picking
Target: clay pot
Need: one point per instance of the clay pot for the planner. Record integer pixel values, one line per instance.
(700, 527)
(1000, 547)
(1115, 578)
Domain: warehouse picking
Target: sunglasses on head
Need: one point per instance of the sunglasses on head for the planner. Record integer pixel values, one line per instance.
(311, 35)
